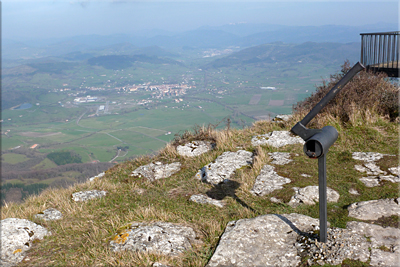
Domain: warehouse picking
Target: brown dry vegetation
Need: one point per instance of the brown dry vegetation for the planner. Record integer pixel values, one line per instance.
(82, 237)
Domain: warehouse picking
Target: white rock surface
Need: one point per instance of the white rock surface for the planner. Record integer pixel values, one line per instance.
(158, 237)
(380, 236)
(267, 240)
(276, 139)
(194, 148)
(97, 176)
(202, 199)
(371, 181)
(157, 170)
(353, 191)
(224, 166)
(268, 181)
(158, 264)
(373, 209)
(309, 195)
(50, 214)
(370, 168)
(16, 236)
(395, 170)
(282, 117)
(367, 156)
(280, 158)
(87, 195)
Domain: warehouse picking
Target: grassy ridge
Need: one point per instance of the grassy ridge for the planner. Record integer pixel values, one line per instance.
(81, 237)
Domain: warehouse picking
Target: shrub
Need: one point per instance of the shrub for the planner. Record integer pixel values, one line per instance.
(367, 93)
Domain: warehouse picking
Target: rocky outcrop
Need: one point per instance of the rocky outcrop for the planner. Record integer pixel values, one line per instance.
(367, 156)
(310, 194)
(202, 199)
(194, 148)
(267, 240)
(280, 158)
(50, 214)
(384, 242)
(224, 166)
(159, 237)
(268, 181)
(87, 195)
(97, 176)
(373, 209)
(16, 236)
(282, 117)
(157, 170)
(276, 139)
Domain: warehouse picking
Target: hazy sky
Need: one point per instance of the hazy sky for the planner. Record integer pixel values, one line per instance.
(23, 19)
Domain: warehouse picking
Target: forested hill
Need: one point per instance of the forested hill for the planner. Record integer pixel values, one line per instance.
(309, 52)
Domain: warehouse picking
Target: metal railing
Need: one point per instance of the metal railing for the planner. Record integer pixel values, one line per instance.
(380, 52)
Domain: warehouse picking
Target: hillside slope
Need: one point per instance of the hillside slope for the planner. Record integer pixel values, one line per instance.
(133, 199)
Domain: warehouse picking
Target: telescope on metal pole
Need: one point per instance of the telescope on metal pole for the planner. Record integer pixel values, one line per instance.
(318, 142)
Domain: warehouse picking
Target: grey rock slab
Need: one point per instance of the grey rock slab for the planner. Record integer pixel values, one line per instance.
(276, 139)
(373, 209)
(157, 170)
(267, 240)
(341, 244)
(370, 181)
(50, 214)
(395, 170)
(202, 199)
(16, 237)
(353, 191)
(282, 117)
(97, 176)
(158, 237)
(370, 168)
(280, 158)
(309, 195)
(268, 181)
(224, 166)
(380, 236)
(194, 148)
(87, 195)
(367, 156)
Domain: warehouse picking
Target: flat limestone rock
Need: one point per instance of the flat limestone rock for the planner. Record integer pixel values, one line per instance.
(202, 199)
(194, 148)
(373, 209)
(395, 170)
(280, 158)
(157, 170)
(268, 181)
(50, 214)
(97, 176)
(370, 168)
(224, 166)
(282, 117)
(16, 237)
(276, 139)
(367, 156)
(160, 237)
(267, 240)
(87, 195)
(309, 195)
(379, 236)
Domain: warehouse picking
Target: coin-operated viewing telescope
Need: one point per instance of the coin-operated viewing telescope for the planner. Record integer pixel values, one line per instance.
(318, 142)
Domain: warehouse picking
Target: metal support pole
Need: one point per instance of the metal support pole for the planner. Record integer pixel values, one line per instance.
(322, 199)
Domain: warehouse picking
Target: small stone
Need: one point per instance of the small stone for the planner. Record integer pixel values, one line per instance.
(280, 158)
(310, 194)
(353, 192)
(157, 170)
(202, 199)
(87, 195)
(268, 181)
(224, 166)
(50, 214)
(276, 139)
(194, 148)
(395, 170)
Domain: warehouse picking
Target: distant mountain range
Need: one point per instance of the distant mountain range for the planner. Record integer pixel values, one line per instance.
(238, 35)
